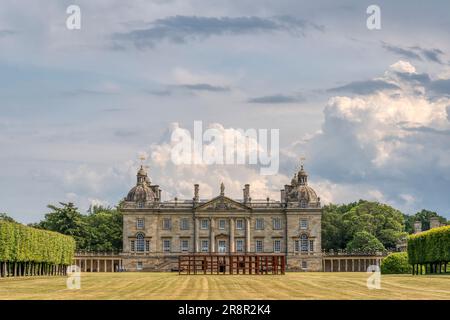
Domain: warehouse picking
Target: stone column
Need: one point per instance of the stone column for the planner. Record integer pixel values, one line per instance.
(98, 265)
(331, 265)
(104, 264)
(247, 235)
(85, 265)
(112, 265)
(232, 250)
(92, 265)
(212, 240)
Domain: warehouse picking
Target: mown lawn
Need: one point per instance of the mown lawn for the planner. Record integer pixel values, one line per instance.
(174, 286)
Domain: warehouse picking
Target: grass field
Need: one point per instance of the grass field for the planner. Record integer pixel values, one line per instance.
(174, 286)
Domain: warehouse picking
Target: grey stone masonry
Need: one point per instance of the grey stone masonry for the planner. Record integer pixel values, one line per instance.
(156, 232)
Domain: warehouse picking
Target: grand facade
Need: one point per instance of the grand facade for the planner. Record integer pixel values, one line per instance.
(156, 233)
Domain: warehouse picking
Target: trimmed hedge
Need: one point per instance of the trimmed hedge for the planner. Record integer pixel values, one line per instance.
(432, 246)
(396, 263)
(19, 243)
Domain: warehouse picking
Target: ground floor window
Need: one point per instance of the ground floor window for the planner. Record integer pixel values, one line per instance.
(166, 245)
(139, 265)
(184, 245)
(140, 242)
(304, 264)
(239, 245)
(147, 245)
(222, 246)
(304, 243)
(205, 246)
(259, 246)
(277, 246)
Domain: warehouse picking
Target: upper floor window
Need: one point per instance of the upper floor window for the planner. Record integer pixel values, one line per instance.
(140, 204)
(240, 224)
(222, 223)
(132, 245)
(276, 245)
(303, 224)
(184, 224)
(140, 244)
(259, 224)
(311, 245)
(147, 245)
(167, 225)
(303, 203)
(140, 223)
(166, 245)
(259, 246)
(204, 224)
(276, 224)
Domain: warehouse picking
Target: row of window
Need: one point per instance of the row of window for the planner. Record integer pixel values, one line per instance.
(204, 224)
(142, 245)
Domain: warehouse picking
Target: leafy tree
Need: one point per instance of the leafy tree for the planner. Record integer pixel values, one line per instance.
(66, 220)
(5, 217)
(105, 229)
(340, 223)
(363, 241)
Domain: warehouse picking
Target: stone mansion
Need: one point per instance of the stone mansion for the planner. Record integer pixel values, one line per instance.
(156, 232)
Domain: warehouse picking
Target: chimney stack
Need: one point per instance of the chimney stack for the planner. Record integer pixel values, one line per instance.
(434, 222)
(417, 226)
(283, 196)
(196, 197)
(246, 193)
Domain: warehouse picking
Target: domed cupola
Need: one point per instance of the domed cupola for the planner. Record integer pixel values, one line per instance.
(143, 191)
(299, 193)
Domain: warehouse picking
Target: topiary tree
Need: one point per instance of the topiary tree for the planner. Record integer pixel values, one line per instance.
(363, 241)
(396, 263)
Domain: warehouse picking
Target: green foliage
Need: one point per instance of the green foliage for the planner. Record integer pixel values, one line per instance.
(66, 220)
(5, 217)
(19, 243)
(429, 246)
(364, 241)
(340, 223)
(99, 230)
(104, 227)
(396, 263)
(424, 217)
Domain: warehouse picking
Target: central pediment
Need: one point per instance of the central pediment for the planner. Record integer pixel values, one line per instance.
(222, 203)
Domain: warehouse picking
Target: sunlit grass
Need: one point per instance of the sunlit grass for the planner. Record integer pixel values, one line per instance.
(312, 285)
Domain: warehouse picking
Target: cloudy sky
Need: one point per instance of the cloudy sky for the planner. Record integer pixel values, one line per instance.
(369, 109)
